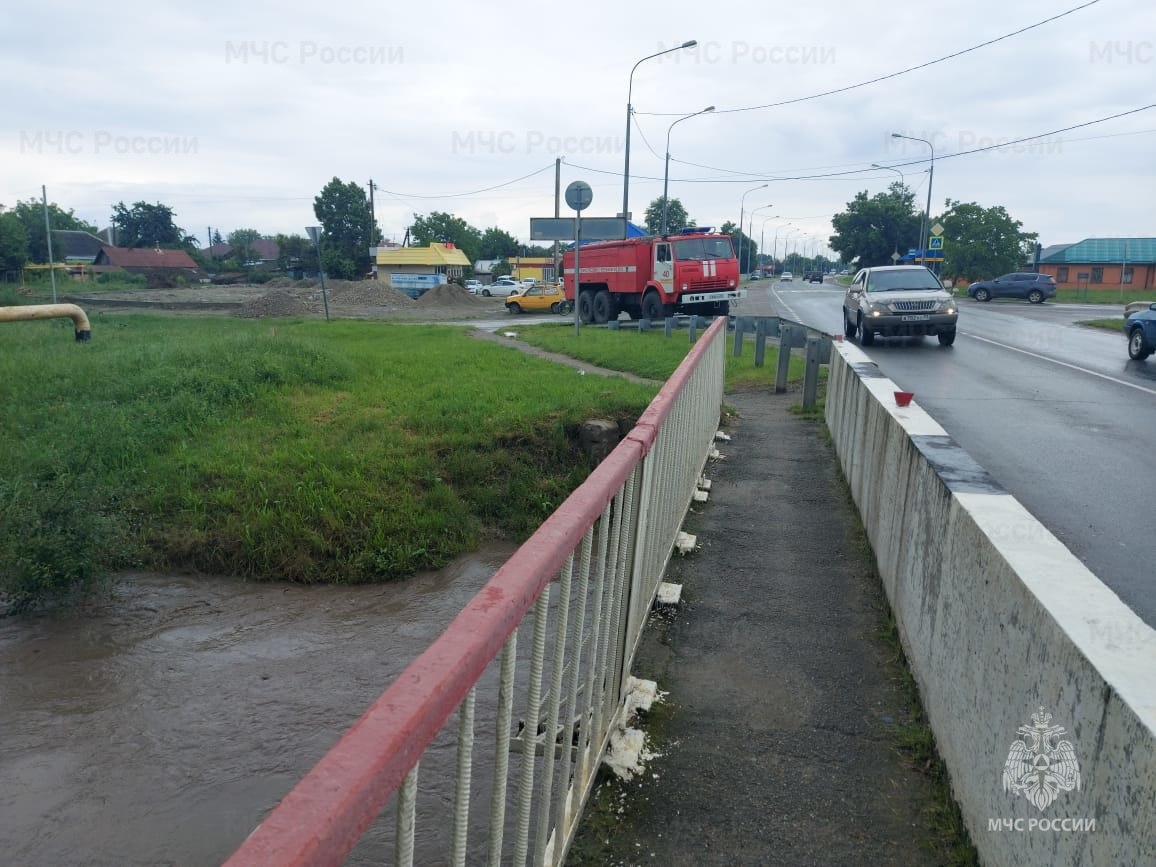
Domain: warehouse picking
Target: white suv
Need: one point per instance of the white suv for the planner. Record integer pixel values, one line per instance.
(898, 300)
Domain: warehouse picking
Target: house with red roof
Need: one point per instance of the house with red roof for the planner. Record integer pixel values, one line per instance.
(144, 260)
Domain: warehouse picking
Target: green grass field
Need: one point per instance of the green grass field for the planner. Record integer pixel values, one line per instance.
(296, 450)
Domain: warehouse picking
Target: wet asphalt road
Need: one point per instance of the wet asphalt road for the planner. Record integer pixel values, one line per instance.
(1058, 413)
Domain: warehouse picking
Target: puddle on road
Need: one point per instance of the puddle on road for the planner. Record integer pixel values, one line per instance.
(160, 726)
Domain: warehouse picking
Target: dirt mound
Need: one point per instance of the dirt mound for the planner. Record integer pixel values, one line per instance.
(366, 293)
(275, 303)
(448, 295)
(282, 283)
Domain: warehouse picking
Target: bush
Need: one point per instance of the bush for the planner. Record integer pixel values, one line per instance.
(63, 560)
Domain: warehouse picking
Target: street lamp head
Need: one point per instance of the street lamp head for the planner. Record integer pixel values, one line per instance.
(690, 43)
(897, 135)
(708, 108)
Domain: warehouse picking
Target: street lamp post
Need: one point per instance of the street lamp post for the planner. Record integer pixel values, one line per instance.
(690, 43)
(666, 172)
(775, 249)
(750, 234)
(742, 215)
(925, 222)
(903, 181)
(763, 235)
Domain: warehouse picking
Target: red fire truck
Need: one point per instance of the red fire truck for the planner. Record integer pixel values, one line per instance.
(694, 271)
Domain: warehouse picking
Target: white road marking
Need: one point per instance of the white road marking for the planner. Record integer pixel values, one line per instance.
(1061, 363)
(794, 315)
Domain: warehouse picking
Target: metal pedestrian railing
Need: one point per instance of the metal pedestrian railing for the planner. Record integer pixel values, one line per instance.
(550, 638)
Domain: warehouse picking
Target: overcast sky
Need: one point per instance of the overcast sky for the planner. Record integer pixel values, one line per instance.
(236, 115)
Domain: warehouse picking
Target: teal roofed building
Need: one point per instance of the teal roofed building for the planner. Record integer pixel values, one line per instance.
(1102, 263)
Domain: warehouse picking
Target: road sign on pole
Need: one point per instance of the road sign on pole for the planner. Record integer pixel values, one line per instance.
(935, 242)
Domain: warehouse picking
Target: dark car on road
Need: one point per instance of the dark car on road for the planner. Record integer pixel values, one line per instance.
(813, 276)
(1022, 284)
(1141, 330)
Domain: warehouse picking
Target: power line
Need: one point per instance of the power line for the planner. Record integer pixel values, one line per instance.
(890, 75)
(470, 193)
(747, 177)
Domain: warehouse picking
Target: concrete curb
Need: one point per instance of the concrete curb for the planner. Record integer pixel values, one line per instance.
(999, 620)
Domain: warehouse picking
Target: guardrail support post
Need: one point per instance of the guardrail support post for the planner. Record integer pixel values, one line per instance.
(811, 372)
(786, 333)
(760, 342)
(741, 324)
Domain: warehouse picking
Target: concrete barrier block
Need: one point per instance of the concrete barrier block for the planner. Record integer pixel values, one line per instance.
(999, 620)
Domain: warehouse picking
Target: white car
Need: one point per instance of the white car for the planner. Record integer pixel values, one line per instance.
(503, 287)
(786, 277)
(474, 287)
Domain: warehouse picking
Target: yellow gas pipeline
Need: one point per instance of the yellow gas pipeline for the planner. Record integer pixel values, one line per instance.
(50, 311)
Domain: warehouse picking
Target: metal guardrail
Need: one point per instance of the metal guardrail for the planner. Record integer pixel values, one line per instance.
(581, 586)
(791, 335)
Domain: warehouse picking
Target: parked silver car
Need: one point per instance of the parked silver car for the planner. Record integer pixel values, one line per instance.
(894, 300)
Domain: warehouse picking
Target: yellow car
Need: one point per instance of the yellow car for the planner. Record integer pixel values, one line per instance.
(540, 298)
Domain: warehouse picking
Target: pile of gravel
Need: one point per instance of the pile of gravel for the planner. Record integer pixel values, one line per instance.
(366, 293)
(450, 295)
(275, 303)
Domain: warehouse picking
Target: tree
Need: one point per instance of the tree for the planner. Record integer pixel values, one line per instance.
(31, 216)
(982, 242)
(439, 228)
(241, 241)
(874, 228)
(746, 250)
(296, 253)
(345, 219)
(497, 244)
(676, 216)
(13, 243)
(145, 225)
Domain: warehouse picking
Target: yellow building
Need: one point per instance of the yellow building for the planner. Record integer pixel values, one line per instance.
(540, 268)
(434, 259)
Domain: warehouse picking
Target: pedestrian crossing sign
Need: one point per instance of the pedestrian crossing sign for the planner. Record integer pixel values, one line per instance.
(935, 243)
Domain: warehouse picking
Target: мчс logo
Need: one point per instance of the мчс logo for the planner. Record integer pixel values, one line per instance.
(1038, 765)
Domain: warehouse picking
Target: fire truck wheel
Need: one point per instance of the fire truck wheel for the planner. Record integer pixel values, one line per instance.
(652, 307)
(586, 307)
(603, 308)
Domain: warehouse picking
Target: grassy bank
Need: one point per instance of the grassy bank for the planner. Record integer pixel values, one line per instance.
(653, 355)
(301, 450)
(1116, 325)
(306, 451)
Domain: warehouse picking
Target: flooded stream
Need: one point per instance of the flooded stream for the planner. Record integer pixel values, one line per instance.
(160, 725)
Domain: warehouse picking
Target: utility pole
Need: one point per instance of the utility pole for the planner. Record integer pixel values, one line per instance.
(557, 214)
(372, 216)
(48, 238)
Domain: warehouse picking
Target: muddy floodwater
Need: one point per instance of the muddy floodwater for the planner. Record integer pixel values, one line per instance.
(160, 725)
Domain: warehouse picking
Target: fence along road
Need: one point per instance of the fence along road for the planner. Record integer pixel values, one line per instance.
(604, 550)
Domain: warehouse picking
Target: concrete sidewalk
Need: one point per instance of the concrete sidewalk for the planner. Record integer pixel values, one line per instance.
(775, 734)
